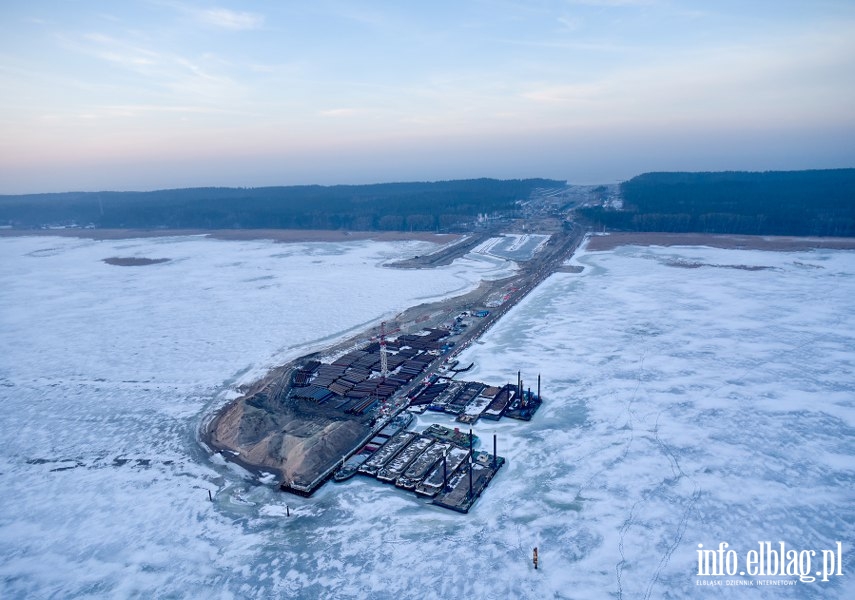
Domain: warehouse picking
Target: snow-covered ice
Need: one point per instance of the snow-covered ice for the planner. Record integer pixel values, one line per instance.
(682, 406)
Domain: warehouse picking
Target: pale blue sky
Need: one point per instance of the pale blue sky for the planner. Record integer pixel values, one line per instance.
(172, 93)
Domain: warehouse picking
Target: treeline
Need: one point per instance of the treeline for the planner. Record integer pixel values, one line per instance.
(819, 203)
(389, 206)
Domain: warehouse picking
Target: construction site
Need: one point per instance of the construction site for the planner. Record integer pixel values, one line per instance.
(346, 411)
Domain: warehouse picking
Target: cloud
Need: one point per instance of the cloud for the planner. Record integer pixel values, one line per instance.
(338, 112)
(115, 51)
(135, 110)
(766, 82)
(561, 94)
(570, 23)
(171, 78)
(229, 19)
(614, 2)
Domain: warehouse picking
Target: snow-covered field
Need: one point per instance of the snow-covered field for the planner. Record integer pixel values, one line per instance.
(512, 246)
(682, 406)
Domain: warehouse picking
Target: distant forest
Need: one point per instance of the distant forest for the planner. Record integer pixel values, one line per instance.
(389, 206)
(820, 203)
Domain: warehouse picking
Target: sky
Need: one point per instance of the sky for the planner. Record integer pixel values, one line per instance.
(153, 94)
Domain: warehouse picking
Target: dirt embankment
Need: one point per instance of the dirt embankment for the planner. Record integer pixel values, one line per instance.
(301, 440)
(295, 440)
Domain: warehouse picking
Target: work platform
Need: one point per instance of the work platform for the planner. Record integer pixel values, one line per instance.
(434, 467)
(466, 486)
(428, 463)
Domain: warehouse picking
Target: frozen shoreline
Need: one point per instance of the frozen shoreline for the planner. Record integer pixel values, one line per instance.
(277, 235)
(742, 377)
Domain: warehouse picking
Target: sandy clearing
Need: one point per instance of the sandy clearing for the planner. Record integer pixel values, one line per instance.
(742, 242)
(278, 235)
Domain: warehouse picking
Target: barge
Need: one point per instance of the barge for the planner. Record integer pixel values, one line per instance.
(396, 467)
(431, 485)
(420, 467)
(349, 467)
(469, 482)
(386, 453)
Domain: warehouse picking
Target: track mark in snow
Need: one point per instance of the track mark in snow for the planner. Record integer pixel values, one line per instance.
(623, 529)
(684, 518)
(629, 520)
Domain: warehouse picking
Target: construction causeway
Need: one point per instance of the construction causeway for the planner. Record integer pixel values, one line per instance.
(348, 415)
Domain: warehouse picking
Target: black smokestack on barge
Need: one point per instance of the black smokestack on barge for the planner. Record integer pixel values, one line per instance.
(471, 450)
(538, 386)
(494, 450)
